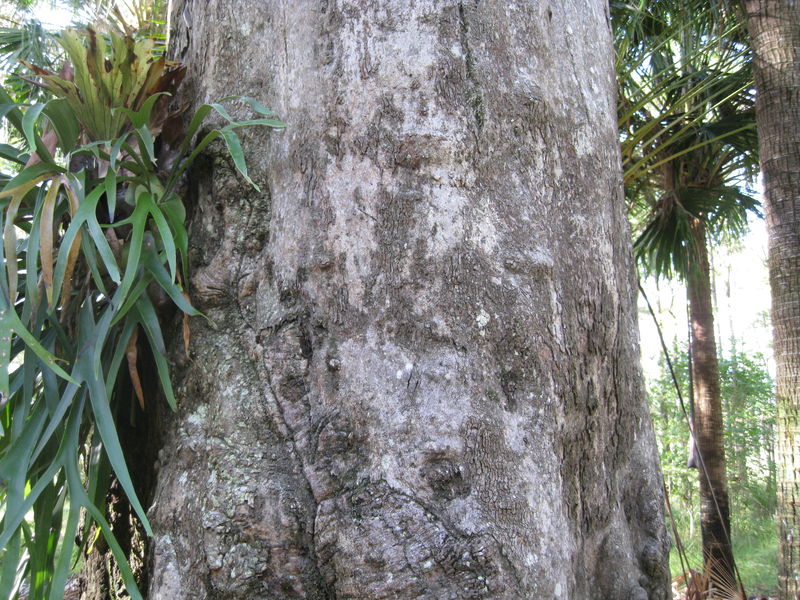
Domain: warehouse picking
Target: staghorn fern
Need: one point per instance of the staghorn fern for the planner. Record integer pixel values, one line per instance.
(100, 223)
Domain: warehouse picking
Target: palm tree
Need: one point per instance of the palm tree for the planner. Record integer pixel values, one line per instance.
(688, 143)
(774, 27)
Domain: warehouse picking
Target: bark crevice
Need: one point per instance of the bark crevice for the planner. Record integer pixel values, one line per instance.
(474, 90)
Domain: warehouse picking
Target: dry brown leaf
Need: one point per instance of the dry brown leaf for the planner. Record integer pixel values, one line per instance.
(50, 141)
(186, 332)
(46, 234)
(74, 251)
(132, 353)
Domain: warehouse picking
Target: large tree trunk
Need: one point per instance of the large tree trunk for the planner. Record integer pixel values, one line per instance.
(774, 27)
(422, 376)
(715, 521)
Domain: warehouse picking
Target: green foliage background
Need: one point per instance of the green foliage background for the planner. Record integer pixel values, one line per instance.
(749, 420)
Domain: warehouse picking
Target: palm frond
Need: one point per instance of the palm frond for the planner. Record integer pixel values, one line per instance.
(687, 127)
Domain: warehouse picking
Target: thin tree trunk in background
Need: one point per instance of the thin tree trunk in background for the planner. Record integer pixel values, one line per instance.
(774, 27)
(708, 423)
(422, 379)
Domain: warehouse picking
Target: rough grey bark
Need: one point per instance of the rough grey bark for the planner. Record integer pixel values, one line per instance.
(422, 379)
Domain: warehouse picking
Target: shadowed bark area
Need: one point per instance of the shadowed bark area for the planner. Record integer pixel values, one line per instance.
(421, 380)
(774, 27)
(99, 574)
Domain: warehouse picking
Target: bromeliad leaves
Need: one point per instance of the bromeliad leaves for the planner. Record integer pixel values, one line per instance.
(108, 74)
(90, 224)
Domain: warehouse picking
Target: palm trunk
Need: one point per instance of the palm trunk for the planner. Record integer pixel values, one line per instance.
(774, 27)
(708, 427)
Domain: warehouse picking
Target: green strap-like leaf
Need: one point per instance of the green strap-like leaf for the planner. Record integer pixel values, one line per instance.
(90, 255)
(9, 319)
(271, 123)
(6, 335)
(13, 154)
(141, 118)
(104, 420)
(16, 512)
(110, 185)
(10, 246)
(56, 417)
(98, 475)
(119, 354)
(46, 533)
(197, 120)
(147, 317)
(146, 144)
(78, 495)
(138, 289)
(236, 152)
(181, 165)
(86, 215)
(18, 455)
(31, 136)
(164, 232)
(139, 222)
(28, 178)
(154, 265)
(257, 106)
(175, 214)
(11, 557)
(31, 303)
(64, 122)
(61, 569)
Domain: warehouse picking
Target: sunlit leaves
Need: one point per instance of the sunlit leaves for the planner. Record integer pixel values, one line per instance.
(749, 419)
(110, 73)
